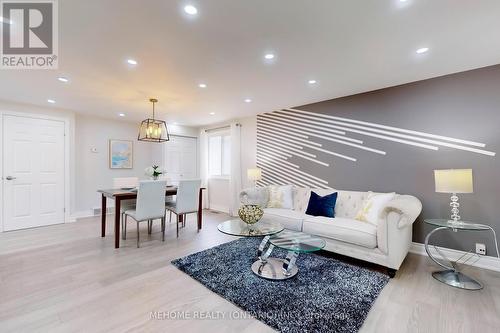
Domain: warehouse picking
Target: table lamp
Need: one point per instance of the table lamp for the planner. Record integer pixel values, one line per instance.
(454, 181)
(254, 175)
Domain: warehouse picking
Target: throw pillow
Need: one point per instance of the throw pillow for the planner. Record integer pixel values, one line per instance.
(373, 206)
(322, 206)
(280, 197)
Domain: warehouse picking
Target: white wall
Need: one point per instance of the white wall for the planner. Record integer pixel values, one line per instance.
(93, 170)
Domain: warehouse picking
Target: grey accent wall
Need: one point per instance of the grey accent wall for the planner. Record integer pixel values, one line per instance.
(464, 106)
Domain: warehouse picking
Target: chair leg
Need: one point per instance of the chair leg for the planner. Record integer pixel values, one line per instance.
(150, 226)
(170, 217)
(137, 234)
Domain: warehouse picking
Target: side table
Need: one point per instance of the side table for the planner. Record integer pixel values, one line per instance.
(451, 275)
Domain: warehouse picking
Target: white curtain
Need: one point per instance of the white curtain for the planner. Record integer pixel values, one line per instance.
(235, 177)
(204, 167)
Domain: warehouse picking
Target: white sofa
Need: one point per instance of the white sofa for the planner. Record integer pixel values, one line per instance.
(386, 243)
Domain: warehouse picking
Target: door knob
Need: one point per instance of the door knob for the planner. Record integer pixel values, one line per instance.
(10, 178)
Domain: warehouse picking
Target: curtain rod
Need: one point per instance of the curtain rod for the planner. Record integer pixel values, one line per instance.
(220, 128)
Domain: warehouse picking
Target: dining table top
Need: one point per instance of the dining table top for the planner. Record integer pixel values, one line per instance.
(119, 192)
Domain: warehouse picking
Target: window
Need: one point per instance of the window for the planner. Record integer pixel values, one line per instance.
(219, 155)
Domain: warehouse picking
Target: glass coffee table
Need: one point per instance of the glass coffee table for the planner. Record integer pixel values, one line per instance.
(275, 236)
(239, 228)
(294, 242)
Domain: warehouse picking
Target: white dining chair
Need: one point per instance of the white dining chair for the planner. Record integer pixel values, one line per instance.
(150, 205)
(186, 201)
(125, 183)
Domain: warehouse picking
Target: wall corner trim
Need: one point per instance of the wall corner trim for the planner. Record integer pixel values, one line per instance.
(485, 262)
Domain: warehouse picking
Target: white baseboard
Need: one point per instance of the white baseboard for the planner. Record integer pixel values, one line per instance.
(486, 262)
(220, 208)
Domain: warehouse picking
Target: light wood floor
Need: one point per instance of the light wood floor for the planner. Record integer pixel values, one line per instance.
(65, 278)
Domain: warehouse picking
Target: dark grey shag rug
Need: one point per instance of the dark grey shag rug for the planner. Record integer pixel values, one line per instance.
(326, 295)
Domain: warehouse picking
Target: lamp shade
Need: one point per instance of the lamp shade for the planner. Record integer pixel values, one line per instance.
(254, 174)
(453, 181)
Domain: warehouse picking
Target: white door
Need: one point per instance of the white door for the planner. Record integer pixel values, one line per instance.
(33, 172)
(181, 158)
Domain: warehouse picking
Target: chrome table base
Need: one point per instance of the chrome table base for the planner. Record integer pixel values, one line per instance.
(457, 279)
(451, 276)
(273, 268)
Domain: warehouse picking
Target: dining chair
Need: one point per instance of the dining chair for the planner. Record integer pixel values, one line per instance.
(150, 205)
(186, 201)
(125, 183)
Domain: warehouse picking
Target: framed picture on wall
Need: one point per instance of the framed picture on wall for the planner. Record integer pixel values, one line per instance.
(121, 154)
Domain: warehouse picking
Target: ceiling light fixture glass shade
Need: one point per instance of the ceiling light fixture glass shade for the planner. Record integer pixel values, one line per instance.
(153, 130)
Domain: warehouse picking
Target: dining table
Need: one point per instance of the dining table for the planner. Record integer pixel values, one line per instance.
(118, 195)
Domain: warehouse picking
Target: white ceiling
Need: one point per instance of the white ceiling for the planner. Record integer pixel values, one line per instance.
(347, 46)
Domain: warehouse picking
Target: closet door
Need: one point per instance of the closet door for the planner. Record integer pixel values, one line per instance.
(33, 172)
(181, 158)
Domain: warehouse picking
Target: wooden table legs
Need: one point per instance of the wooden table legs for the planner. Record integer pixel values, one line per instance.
(200, 208)
(103, 216)
(117, 219)
(118, 202)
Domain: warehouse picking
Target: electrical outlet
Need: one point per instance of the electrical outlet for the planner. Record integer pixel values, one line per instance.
(481, 249)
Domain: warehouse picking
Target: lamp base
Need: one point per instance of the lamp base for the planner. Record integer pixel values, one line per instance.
(457, 280)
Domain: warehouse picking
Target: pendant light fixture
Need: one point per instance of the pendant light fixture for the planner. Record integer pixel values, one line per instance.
(153, 130)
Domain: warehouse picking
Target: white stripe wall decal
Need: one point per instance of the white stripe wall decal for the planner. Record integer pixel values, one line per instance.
(292, 128)
(287, 136)
(405, 136)
(396, 129)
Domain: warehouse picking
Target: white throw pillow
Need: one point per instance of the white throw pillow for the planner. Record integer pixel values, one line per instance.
(373, 206)
(280, 196)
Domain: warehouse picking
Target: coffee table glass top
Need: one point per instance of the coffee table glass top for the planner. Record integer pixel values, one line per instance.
(462, 225)
(297, 241)
(239, 228)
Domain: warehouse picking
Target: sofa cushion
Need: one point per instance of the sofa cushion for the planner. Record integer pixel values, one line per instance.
(322, 206)
(280, 196)
(342, 229)
(373, 206)
(290, 219)
(349, 203)
(301, 198)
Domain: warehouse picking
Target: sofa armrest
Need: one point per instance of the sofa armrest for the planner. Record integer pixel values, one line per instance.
(255, 196)
(407, 206)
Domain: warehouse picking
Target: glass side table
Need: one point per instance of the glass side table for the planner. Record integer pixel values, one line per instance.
(451, 275)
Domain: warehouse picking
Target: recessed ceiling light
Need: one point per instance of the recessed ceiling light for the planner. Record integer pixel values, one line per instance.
(63, 79)
(248, 100)
(132, 62)
(269, 56)
(191, 10)
(202, 85)
(212, 113)
(51, 101)
(312, 81)
(121, 114)
(422, 50)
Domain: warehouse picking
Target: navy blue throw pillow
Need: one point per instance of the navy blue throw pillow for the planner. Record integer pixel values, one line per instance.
(322, 206)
